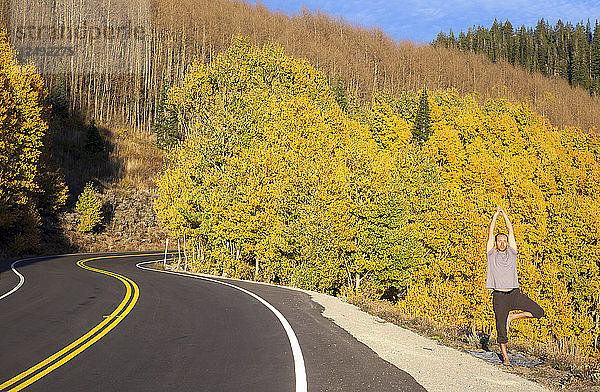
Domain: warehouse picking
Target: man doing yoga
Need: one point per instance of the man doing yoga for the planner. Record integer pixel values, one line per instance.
(502, 278)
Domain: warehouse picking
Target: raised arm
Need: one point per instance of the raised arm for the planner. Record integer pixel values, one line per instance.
(490, 241)
(512, 242)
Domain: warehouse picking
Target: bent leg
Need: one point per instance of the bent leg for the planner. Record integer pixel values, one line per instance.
(529, 307)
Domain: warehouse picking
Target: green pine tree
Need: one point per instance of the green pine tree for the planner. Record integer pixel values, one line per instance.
(58, 97)
(165, 122)
(94, 142)
(340, 93)
(580, 64)
(422, 127)
(572, 52)
(595, 58)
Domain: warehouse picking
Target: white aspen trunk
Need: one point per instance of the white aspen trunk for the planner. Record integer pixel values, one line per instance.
(597, 319)
(179, 253)
(193, 248)
(166, 247)
(256, 270)
(185, 253)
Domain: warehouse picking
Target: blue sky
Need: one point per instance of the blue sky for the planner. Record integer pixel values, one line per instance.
(422, 20)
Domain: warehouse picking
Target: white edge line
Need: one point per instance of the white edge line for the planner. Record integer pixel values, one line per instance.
(300, 370)
(22, 278)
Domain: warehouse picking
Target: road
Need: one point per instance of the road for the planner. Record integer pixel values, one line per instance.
(130, 329)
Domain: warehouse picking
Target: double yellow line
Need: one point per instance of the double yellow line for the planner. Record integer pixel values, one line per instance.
(63, 356)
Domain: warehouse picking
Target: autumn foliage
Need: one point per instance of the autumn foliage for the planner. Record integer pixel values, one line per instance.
(273, 179)
(27, 186)
(548, 180)
(89, 208)
(272, 174)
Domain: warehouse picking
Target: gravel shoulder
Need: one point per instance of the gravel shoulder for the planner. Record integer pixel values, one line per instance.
(436, 367)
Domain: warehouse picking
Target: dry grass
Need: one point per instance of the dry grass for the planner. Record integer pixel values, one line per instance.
(124, 173)
(130, 158)
(129, 222)
(140, 161)
(563, 367)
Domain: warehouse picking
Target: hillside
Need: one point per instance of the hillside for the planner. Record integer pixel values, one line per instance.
(283, 176)
(369, 60)
(277, 179)
(366, 59)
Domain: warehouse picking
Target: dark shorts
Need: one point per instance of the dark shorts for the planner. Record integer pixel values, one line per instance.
(504, 302)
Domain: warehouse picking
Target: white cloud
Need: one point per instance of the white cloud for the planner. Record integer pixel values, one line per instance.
(429, 13)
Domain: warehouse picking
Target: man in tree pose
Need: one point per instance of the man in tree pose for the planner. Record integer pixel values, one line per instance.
(502, 278)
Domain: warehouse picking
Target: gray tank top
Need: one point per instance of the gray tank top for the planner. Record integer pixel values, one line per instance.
(502, 269)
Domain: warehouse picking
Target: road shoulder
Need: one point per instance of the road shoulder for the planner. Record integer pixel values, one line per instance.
(436, 367)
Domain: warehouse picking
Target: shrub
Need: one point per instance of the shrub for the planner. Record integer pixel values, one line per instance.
(89, 208)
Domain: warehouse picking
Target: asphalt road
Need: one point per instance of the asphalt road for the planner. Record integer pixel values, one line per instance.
(136, 330)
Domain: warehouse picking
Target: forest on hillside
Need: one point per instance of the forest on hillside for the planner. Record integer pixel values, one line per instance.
(569, 51)
(367, 61)
(276, 176)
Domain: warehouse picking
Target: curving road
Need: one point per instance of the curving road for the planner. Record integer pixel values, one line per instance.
(83, 323)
